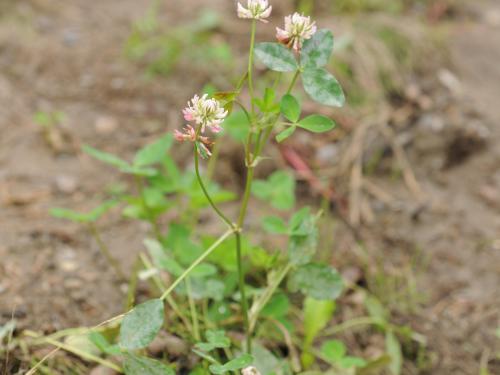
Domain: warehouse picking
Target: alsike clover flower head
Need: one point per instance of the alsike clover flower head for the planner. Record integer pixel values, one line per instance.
(205, 112)
(256, 9)
(297, 29)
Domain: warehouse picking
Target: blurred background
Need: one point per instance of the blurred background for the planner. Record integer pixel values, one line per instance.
(410, 179)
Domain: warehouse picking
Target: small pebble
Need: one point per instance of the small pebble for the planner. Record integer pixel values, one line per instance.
(66, 184)
(106, 125)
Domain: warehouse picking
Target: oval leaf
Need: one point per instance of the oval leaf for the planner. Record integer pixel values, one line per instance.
(290, 108)
(276, 57)
(317, 51)
(323, 87)
(317, 123)
(318, 281)
(135, 365)
(317, 314)
(280, 137)
(141, 325)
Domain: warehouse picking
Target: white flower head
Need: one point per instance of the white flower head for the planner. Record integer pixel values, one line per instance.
(256, 9)
(250, 371)
(205, 112)
(297, 29)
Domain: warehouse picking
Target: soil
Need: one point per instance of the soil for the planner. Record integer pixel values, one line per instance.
(69, 58)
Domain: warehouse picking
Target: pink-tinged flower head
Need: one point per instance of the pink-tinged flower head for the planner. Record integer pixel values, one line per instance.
(188, 134)
(256, 9)
(297, 29)
(205, 112)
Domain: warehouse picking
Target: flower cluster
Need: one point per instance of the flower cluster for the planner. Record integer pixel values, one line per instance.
(256, 9)
(297, 29)
(206, 113)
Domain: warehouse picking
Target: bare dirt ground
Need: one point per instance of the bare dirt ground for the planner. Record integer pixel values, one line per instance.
(69, 58)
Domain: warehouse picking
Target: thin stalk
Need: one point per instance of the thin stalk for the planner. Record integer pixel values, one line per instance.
(200, 259)
(294, 81)
(266, 296)
(241, 285)
(241, 272)
(250, 62)
(246, 196)
(194, 313)
(113, 262)
(202, 185)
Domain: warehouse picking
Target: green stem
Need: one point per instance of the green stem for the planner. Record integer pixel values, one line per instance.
(200, 259)
(266, 296)
(246, 196)
(205, 192)
(244, 207)
(241, 284)
(194, 313)
(113, 262)
(294, 81)
(250, 62)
